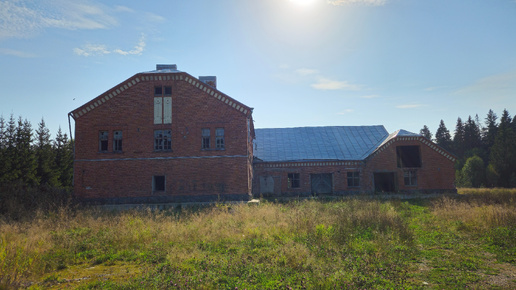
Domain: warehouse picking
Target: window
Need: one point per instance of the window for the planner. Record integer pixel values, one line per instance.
(117, 141)
(408, 156)
(168, 91)
(163, 110)
(103, 141)
(410, 177)
(354, 179)
(158, 183)
(219, 138)
(205, 138)
(162, 140)
(293, 180)
(158, 91)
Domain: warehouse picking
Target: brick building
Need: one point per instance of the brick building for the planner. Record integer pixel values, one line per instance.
(166, 136)
(348, 160)
(163, 136)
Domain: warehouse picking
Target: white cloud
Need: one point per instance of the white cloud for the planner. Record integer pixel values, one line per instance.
(370, 97)
(306, 71)
(101, 49)
(409, 106)
(499, 87)
(21, 19)
(346, 111)
(12, 52)
(327, 84)
(367, 2)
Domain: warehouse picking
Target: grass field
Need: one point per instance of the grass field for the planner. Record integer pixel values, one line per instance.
(468, 241)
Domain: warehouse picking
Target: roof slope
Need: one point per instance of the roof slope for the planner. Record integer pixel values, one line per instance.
(318, 143)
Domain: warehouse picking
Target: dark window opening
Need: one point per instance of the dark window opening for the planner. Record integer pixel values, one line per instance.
(103, 141)
(354, 179)
(219, 138)
(410, 177)
(162, 140)
(384, 182)
(158, 183)
(321, 183)
(168, 91)
(158, 91)
(294, 180)
(408, 156)
(205, 138)
(117, 141)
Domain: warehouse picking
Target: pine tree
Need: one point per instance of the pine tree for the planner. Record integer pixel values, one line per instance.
(63, 149)
(503, 153)
(442, 136)
(45, 157)
(489, 132)
(3, 149)
(472, 138)
(24, 157)
(10, 172)
(425, 132)
(458, 138)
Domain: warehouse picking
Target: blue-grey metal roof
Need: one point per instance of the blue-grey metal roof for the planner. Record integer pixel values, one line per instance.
(318, 143)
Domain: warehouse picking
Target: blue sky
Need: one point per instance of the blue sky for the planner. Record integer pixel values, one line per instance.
(398, 63)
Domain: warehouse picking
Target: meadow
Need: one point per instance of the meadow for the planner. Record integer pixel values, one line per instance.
(463, 241)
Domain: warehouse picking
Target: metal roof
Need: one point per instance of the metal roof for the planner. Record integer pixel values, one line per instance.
(318, 143)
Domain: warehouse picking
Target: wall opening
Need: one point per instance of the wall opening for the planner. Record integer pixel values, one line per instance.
(321, 183)
(158, 183)
(385, 182)
(408, 156)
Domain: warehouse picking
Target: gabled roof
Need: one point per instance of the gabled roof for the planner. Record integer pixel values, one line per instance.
(317, 143)
(164, 74)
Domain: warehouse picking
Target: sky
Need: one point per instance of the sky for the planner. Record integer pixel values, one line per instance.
(398, 63)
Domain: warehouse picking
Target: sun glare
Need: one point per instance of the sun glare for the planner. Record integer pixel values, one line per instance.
(303, 2)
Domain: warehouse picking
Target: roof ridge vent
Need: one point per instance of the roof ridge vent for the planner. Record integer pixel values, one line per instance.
(166, 66)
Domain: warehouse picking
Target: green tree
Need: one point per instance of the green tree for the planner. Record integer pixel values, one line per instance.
(458, 138)
(472, 138)
(473, 172)
(503, 153)
(489, 131)
(63, 149)
(24, 157)
(442, 136)
(425, 132)
(45, 157)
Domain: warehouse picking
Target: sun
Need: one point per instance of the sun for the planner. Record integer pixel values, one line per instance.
(303, 2)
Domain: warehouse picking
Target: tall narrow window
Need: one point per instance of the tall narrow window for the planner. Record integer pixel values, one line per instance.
(158, 183)
(117, 141)
(103, 141)
(353, 179)
(294, 180)
(410, 177)
(205, 138)
(219, 138)
(163, 110)
(162, 140)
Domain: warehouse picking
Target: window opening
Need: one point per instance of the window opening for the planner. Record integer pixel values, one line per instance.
(410, 177)
(219, 138)
(117, 141)
(353, 179)
(205, 138)
(103, 141)
(294, 180)
(162, 140)
(408, 156)
(158, 91)
(158, 183)
(168, 91)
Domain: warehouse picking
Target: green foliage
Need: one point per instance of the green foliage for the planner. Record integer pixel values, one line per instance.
(472, 174)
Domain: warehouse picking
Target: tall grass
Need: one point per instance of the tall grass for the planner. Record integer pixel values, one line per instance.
(312, 244)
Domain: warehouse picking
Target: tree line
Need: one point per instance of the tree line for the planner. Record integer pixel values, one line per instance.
(485, 150)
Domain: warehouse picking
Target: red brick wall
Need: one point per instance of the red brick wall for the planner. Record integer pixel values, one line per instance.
(194, 106)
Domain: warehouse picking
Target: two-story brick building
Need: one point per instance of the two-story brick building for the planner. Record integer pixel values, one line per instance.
(163, 136)
(166, 136)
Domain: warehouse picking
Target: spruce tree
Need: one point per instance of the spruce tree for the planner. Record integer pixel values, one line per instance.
(472, 138)
(489, 132)
(425, 132)
(63, 158)
(503, 152)
(24, 158)
(458, 138)
(442, 136)
(45, 157)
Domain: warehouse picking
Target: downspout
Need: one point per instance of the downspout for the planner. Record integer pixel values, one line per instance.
(73, 146)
